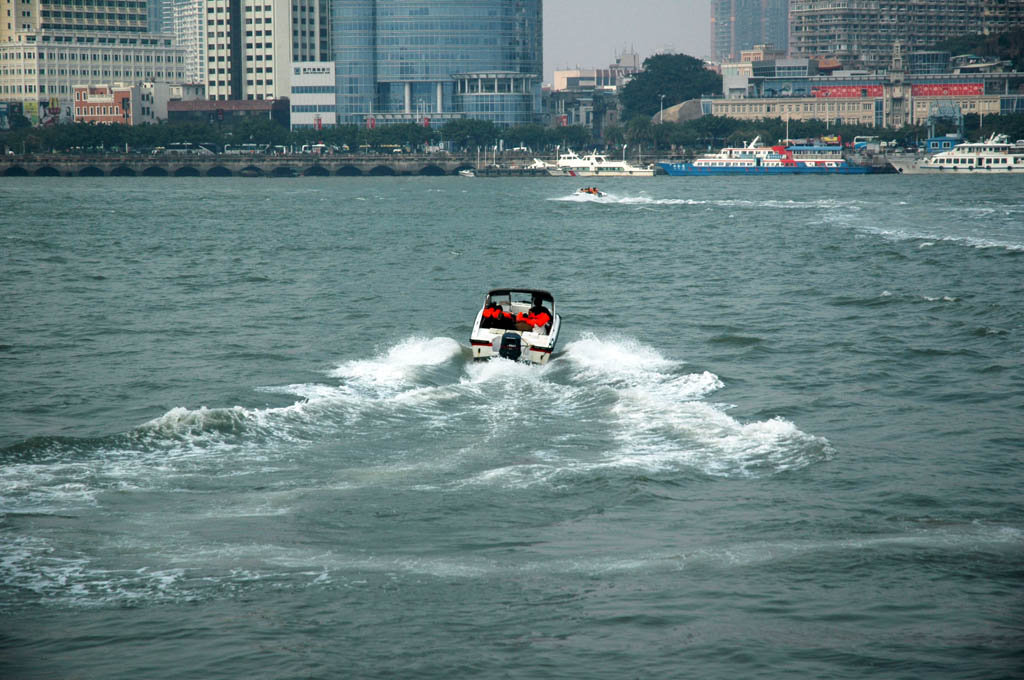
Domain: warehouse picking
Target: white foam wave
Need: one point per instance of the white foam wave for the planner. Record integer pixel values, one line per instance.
(491, 371)
(617, 358)
(191, 572)
(660, 418)
(399, 365)
(604, 402)
(930, 238)
(661, 434)
(753, 204)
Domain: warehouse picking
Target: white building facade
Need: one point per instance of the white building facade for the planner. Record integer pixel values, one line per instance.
(47, 47)
(312, 95)
(189, 25)
(250, 45)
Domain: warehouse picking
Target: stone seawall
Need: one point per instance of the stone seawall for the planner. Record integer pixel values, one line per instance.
(184, 165)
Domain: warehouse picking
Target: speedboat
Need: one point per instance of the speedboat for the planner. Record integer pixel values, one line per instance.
(512, 325)
(591, 191)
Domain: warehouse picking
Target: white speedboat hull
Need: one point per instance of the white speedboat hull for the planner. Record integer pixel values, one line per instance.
(536, 344)
(537, 347)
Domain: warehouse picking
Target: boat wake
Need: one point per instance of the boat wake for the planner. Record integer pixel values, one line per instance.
(425, 414)
(419, 417)
(737, 203)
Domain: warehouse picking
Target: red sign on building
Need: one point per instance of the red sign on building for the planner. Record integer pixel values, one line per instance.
(371, 122)
(947, 89)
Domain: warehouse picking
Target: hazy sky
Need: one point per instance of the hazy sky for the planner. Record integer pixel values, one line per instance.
(589, 33)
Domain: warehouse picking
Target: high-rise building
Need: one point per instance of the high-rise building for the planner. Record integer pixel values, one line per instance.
(738, 25)
(250, 44)
(189, 27)
(161, 15)
(49, 46)
(861, 33)
(429, 61)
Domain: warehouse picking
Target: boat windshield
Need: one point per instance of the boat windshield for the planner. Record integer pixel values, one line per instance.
(521, 297)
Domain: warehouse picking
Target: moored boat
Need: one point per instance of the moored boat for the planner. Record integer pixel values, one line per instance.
(995, 155)
(598, 165)
(520, 324)
(778, 159)
(551, 169)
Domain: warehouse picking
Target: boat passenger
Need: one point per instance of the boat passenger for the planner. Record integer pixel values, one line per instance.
(495, 316)
(538, 317)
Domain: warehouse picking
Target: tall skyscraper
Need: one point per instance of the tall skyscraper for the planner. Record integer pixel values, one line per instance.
(861, 33)
(432, 60)
(738, 25)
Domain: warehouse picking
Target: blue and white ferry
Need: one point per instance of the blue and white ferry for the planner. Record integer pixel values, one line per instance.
(757, 159)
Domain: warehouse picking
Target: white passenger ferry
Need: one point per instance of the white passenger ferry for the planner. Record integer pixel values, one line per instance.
(594, 165)
(995, 155)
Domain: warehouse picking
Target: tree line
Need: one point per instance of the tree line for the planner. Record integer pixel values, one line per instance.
(462, 135)
(639, 135)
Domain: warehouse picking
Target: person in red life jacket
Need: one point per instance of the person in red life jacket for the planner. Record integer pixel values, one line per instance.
(495, 316)
(537, 317)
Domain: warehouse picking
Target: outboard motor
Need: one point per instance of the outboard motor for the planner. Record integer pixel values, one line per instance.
(511, 346)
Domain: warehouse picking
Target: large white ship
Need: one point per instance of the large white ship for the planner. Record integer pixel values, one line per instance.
(779, 159)
(997, 154)
(594, 165)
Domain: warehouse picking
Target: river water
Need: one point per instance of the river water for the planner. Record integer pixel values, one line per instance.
(782, 435)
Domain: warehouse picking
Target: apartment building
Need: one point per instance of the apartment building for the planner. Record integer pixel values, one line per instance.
(861, 33)
(246, 48)
(47, 47)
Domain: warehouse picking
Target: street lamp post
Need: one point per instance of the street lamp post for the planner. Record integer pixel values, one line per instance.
(661, 109)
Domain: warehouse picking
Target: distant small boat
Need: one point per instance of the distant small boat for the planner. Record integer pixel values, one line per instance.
(467, 173)
(591, 191)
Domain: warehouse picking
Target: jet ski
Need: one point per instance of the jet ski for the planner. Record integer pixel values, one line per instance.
(591, 191)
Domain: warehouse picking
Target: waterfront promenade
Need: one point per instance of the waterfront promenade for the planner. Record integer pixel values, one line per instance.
(259, 165)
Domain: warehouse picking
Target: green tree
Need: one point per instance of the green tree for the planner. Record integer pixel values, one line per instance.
(614, 135)
(640, 132)
(573, 137)
(679, 77)
(469, 133)
(533, 136)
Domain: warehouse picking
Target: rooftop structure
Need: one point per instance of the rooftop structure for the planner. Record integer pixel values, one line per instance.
(610, 79)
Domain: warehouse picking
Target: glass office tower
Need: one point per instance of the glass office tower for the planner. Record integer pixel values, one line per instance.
(428, 61)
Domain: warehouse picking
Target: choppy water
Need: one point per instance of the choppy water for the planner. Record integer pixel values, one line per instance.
(240, 435)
